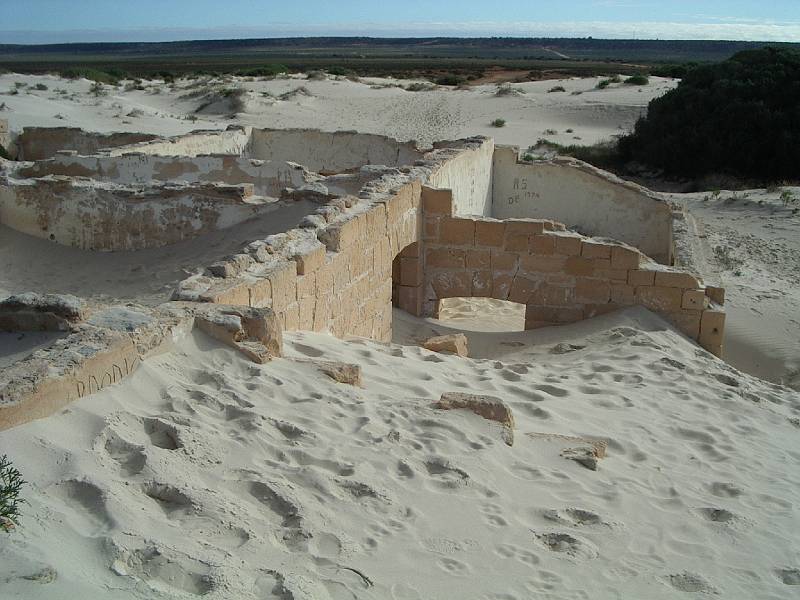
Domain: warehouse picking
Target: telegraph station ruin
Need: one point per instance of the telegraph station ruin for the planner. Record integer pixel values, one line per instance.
(311, 230)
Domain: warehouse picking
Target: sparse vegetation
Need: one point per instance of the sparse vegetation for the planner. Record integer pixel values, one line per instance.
(98, 89)
(556, 88)
(787, 198)
(499, 123)
(507, 90)
(419, 86)
(638, 79)
(550, 132)
(316, 76)
(41, 87)
(451, 80)
(11, 483)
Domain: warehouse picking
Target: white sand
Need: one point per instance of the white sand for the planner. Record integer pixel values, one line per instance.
(206, 474)
(593, 114)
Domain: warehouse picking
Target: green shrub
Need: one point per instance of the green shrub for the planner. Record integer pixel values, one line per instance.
(11, 483)
(638, 79)
(557, 88)
(41, 87)
(499, 123)
(339, 71)
(419, 86)
(739, 117)
(91, 74)
(603, 84)
(450, 79)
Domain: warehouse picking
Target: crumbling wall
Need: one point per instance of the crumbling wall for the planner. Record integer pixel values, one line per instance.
(267, 177)
(38, 143)
(584, 198)
(561, 277)
(5, 136)
(330, 152)
(334, 277)
(95, 216)
(469, 174)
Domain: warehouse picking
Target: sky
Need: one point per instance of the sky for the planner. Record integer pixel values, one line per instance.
(57, 21)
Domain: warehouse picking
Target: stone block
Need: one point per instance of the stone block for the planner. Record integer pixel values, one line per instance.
(490, 233)
(430, 230)
(543, 244)
(459, 232)
(340, 235)
(542, 264)
(310, 260)
(623, 294)
(479, 259)
(712, 330)
(522, 288)
(516, 242)
(659, 299)
(552, 295)
(411, 251)
(625, 258)
(595, 250)
(444, 258)
(676, 280)
(409, 299)
(454, 343)
(410, 271)
(694, 300)
(593, 291)
(501, 285)
(455, 284)
(716, 294)
(488, 407)
(504, 261)
(579, 266)
(526, 227)
(687, 321)
(437, 202)
(639, 277)
(482, 284)
(342, 372)
(255, 331)
(568, 245)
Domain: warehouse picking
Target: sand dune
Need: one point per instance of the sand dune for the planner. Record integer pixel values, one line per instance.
(207, 475)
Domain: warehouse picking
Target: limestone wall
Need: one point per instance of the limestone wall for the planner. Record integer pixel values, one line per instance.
(469, 174)
(335, 278)
(267, 177)
(5, 135)
(95, 216)
(38, 143)
(560, 276)
(330, 152)
(584, 198)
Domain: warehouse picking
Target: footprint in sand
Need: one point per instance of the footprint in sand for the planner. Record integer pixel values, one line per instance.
(494, 514)
(566, 544)
(130, 457)
(789, 576)
(521, 554)
(725, 490)
(88, 501)
(690, 582)
(453, 566)
(574, 517)
(170, 499)
(162, 434)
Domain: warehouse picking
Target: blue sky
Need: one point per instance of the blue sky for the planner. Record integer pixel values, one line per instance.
(42, 21)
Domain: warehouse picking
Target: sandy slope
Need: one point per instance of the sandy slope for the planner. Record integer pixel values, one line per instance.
(371, 106)
(204, 474)
(751, 246)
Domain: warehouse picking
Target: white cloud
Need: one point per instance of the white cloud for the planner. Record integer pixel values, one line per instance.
(730, 30)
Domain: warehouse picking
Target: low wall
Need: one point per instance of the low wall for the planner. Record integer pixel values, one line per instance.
(267, 177)
(93, 216)
(469, 174)
(584, 198)
(330, 152)
(560, 277)
(38, 143)
(5, 135)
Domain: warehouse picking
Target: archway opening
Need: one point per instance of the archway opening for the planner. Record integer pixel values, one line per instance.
(482, 314)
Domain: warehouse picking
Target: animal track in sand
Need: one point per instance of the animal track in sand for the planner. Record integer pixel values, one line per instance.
(172, 569)
(690, 582)
(564, 543)
(445, 473)
(494, 514)
(275, 501)
(725, 489)
(521, 554)
(718, 515)
(453, 566)
(575, 517)
(304, 459)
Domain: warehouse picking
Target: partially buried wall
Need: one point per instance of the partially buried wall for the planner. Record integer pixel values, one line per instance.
(583, 197)
(38, 143)
(469, 174)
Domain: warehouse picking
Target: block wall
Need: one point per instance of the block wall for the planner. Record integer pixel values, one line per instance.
(340, 282)
(559, 276)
